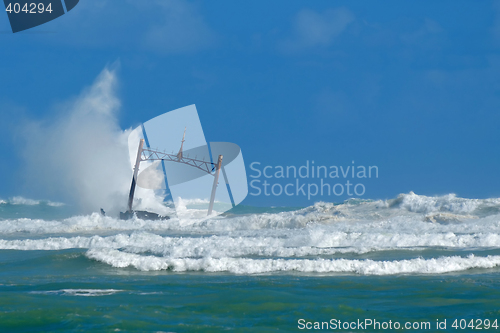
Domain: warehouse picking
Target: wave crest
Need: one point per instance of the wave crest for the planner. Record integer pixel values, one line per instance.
(21, 201)
(440, 265)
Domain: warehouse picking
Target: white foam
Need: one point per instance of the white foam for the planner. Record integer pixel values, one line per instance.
(315, 242)
(446, 203)
(79, 292)
(406, 214)
(30, 202)
(89, 223)
(55, 204)
(440, 265)
(24, 201)
(274, 242)
(283, 234)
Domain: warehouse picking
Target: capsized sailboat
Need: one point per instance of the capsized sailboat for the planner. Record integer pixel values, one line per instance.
(191, 174)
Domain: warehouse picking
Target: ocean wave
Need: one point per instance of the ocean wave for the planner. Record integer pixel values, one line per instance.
(304, 240)
(315, 242)
(79, 292)
(78, 224)
(119, 259)
(30, 202)
(408, 209)
(445, 208)
(447, 203)
(266, 223)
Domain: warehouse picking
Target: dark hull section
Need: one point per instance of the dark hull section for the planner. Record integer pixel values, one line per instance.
(143, 215)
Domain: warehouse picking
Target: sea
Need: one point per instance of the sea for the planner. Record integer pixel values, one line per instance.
(411, 263)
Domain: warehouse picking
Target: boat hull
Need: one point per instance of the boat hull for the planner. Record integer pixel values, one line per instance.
(143, 215)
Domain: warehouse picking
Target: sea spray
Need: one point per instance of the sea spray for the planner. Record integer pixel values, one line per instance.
(81, 154)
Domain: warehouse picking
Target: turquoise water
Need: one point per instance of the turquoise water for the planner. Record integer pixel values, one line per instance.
(48, 291)
(414, 259)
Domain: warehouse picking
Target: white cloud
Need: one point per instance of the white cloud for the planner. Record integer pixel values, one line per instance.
(182, 29)
(165, 26)
(313, 29)
(429, 34)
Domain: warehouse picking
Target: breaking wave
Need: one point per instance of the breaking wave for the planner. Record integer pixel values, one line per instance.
(79, 292)
(29, 202)
(440, 265)
(296, 244)
(449, 203)
(322, 238)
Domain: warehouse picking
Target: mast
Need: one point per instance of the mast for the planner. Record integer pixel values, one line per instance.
(179, 154)
(154, 155)
(214, 186)
(134, 177)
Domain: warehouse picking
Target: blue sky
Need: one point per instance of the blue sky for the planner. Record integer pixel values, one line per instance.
(412, 87)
